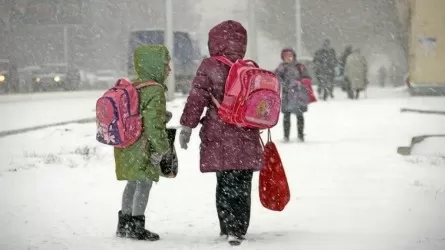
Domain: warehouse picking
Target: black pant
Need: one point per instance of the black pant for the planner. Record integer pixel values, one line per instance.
(357, 94)
(325, 86)
(286, 124)
(353, 95)
(233, 199)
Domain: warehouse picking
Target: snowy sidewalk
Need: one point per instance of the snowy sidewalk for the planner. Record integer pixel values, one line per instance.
(350, 189)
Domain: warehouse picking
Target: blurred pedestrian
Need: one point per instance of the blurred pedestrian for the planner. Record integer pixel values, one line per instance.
(325, 61)
(356, 71)
(295, 95)
(383, 74)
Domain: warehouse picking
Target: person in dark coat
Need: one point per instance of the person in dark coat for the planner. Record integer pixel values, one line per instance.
(383, 74)
(346, 85)
(230, 151)
(325, 61)
(295, 97)
(344, 56)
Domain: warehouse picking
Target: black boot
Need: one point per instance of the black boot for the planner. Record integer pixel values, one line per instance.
(235, 240)
(223, 235)
(286, 126)
(301, 137)
(300, 127)
(138, 230)
(123, 227)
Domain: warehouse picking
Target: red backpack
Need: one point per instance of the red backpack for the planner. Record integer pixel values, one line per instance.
(251, 95)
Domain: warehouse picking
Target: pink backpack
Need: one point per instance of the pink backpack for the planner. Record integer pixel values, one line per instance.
(118, 119)
(251, 95)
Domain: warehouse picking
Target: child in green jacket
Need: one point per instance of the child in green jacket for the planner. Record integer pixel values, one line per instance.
(139, 164)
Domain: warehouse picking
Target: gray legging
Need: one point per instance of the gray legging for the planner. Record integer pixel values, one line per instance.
(135, 197)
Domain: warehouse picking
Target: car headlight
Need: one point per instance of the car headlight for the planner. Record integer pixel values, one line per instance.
(38, 79)
(2, 78)
(57, 78)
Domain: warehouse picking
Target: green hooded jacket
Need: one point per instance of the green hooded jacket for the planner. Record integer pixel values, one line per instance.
(133, 163)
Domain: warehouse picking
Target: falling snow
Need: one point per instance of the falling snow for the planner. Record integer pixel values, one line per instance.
(355, 181)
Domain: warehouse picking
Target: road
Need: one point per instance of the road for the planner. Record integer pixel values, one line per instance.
(28, 110)
(25, 112)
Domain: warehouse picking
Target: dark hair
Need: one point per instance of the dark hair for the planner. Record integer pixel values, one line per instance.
(288, 50)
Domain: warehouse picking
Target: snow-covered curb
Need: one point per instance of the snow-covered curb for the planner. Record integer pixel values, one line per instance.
(34, 128)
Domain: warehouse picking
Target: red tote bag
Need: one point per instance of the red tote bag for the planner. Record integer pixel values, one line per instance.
(274, 189)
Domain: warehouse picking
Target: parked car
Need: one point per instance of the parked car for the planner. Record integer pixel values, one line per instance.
(8, 77)
(25, 77)
(55, 76)
(105, 78)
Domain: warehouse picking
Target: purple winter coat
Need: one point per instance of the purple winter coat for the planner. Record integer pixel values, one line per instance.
(223, 146)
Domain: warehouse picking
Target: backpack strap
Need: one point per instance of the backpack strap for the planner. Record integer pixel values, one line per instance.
(302, 71)
(269, 137)
(217, 104)
(300, 68)
(229, 63)
(224, 60)
(145, 84)
(121, 81)
(250, 61)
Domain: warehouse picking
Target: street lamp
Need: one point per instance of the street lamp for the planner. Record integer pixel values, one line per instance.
(252, 33)
(298, 26)
(169, 43)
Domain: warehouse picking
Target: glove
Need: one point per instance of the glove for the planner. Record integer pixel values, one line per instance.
(168, 116)
(184, 137)
(156, 158)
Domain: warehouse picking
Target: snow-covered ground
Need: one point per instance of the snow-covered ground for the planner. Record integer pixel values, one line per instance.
(433, 146)
(350, 189)
(29, 110)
